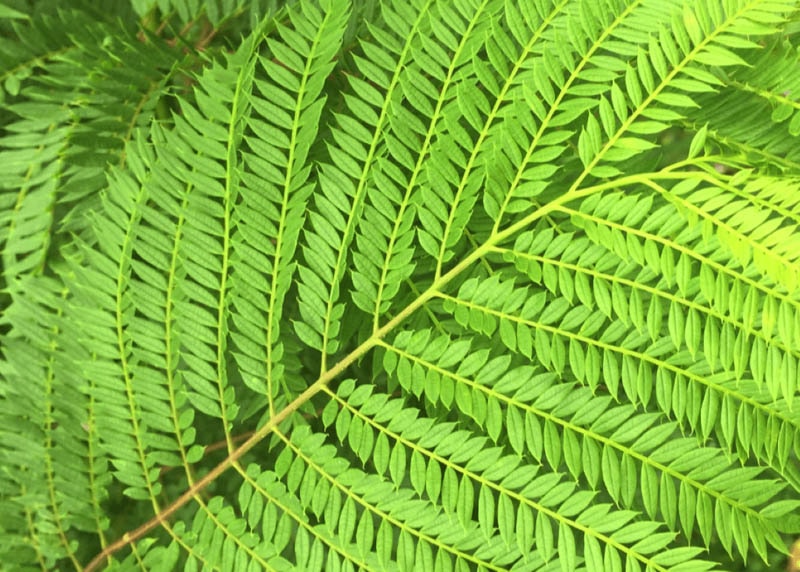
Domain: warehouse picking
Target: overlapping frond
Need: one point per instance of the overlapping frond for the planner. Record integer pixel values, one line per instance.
(66, 126)
(491, 286)
(411, 181)
(768, 132)
(361, 138)
(217, 11)
(54, 476)
(276, 186)
(614, 441)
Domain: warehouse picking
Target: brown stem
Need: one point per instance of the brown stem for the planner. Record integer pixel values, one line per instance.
(214, 447)
(166, 514)
(163, 516)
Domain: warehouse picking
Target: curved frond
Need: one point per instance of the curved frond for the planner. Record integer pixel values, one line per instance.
(414, 285)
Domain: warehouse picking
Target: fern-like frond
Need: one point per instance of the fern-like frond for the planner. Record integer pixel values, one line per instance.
(276, 187)
(59, 143)
(420, 285)
(54, 479)
(361, 140)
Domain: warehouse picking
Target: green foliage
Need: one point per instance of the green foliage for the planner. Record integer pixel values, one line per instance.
(409, 285)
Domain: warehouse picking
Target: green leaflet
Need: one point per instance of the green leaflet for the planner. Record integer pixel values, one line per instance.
(410, 285)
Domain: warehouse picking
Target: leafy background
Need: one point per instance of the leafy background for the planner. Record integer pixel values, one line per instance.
(408, 285)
